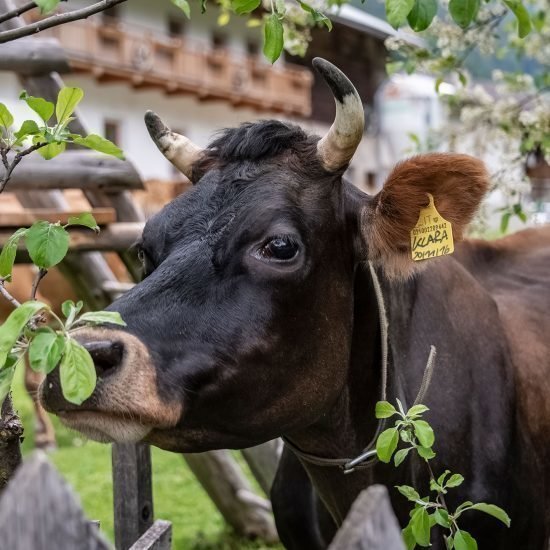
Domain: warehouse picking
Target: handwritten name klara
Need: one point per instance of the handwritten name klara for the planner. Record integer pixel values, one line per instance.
(435, 237)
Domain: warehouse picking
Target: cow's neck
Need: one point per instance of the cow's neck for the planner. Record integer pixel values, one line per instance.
(350, 425)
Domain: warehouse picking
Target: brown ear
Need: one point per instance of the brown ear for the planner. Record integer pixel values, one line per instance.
(457, 183)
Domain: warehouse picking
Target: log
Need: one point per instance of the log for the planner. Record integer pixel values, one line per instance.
(157, 537)
(263, 461)
(34, 56)
(117, 236)
(74, 170)
(27, 217)
(247, 513)
(370, 524)
(132, 492)
(39, 511)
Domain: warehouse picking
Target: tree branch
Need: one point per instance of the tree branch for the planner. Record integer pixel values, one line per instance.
(56, 20)
(15, 162)
(7, 295)
(17, 11)
(39, 276)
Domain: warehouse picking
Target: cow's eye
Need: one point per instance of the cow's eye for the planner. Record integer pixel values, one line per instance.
(279, 248)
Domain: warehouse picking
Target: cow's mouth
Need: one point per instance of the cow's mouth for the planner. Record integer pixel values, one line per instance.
(104, 427)
(125, 405)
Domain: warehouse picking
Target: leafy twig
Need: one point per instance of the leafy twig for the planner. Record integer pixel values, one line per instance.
(16, 160)
(56, 20)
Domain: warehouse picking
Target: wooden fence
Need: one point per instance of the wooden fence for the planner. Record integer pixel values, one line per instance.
(39, 511)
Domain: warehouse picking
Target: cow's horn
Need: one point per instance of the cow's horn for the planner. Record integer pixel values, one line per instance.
(178, 149)
(339, 144)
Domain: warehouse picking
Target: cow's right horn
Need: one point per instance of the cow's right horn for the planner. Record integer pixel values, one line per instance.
(178, 149)
(338, 146)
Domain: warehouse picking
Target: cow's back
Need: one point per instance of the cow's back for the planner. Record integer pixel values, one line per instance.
(516, 272)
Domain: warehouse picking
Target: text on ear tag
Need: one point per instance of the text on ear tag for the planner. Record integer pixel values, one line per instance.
(432, 236)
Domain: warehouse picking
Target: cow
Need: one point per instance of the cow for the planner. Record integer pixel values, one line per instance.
(258, 317)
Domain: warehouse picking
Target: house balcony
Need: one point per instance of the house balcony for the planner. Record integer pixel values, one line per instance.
(117, 52)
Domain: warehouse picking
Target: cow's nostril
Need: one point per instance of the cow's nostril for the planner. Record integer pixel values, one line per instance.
(107, 355)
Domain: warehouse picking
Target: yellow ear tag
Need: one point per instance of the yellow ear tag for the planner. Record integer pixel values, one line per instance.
(432, 236)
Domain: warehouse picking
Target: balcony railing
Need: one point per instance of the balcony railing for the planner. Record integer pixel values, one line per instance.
(118, 52)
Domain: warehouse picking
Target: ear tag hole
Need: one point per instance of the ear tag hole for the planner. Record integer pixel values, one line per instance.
(432, 236)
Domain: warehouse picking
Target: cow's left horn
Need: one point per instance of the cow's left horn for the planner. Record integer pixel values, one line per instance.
(339, 144)
(178, 149)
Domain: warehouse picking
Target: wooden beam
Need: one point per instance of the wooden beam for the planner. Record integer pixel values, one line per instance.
(117, 236)
(84, 170)
(103, 216)
(34, 56)
(157, 537)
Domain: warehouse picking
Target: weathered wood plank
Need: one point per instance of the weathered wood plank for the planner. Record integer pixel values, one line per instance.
(103, 216)
(74, 169)
(34, 56)
(39, 511)
(116, 236)
(370, 524)
(263, 461)
(132, 492)
(157, 537)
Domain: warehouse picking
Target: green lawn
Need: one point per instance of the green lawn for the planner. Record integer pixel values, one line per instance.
(178, 497)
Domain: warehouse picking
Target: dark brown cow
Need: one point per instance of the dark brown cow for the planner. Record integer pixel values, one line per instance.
(258, 318)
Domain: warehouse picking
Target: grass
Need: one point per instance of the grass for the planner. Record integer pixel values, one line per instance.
(178, 496)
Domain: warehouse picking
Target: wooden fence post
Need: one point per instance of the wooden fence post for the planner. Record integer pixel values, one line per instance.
(370, 524)
(132, 492)
(39, 511)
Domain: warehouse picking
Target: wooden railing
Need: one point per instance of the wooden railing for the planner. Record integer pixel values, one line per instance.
(118, 52)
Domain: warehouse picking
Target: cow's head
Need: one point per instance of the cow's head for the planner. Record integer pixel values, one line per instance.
(241, 328)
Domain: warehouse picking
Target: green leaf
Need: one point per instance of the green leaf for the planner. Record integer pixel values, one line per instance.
(52, 150)
(422, 14)
(9, 251)
(408, 538)
(44, 109)
(416, 409)
(77, 373)
(420, 524)
(273, 37)
(242, 7)
(86, 219)
(424, 433)
(47, 243)
(45, 351)
(386, 444)
(522, 15)
(441, 517)
(454, 481)
(425, 452)
(67, 100)
(47, 5)
(504, 221)
(464, 541)
(98, 143)
(460, 508)
(28, 128)
(397, 11)
(70, 309)
(6, 377)
(318, 17)
(494, 511)
(101, 317)
(463, 11)
(400, 456)
(408, 492)
(14, 325)
(384, 409)
(441, 478)
(6, 118)
(183, 5)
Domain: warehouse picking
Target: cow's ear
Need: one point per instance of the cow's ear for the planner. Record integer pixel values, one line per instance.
(457, 184)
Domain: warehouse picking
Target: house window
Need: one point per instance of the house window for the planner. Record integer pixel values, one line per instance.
(176, 27)
(111, 130)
